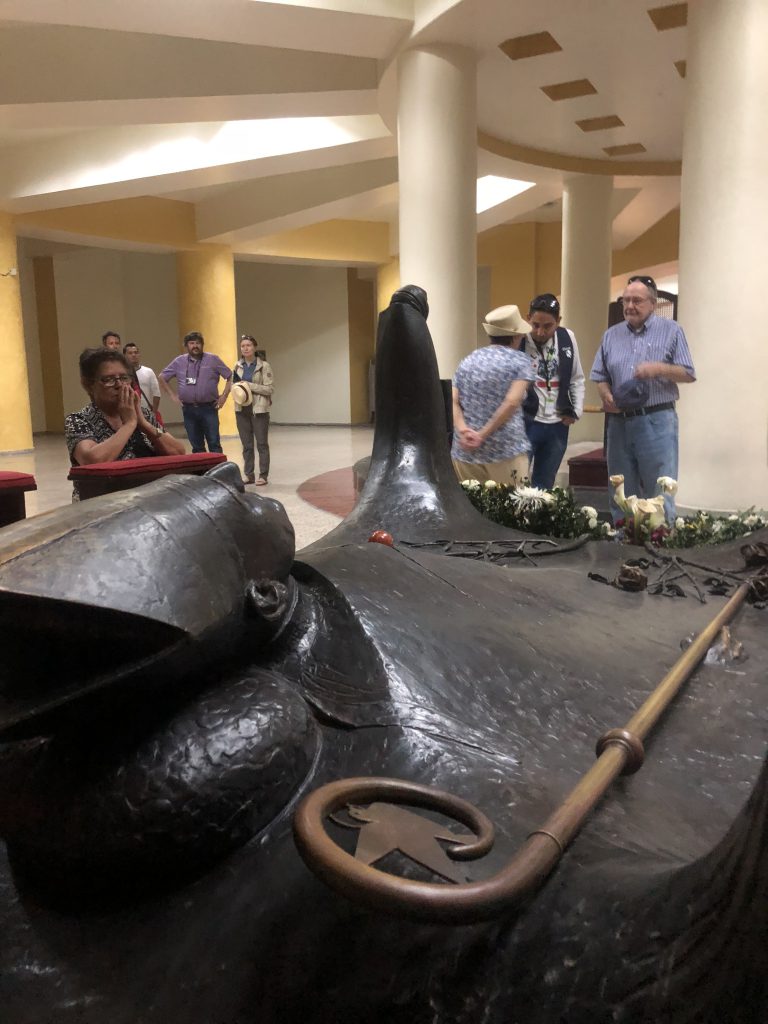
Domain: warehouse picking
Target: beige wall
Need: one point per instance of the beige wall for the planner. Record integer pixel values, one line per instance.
(300, 315)
(362, 335)
(132, 293)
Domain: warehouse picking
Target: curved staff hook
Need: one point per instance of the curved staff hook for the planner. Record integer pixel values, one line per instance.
(619, 751)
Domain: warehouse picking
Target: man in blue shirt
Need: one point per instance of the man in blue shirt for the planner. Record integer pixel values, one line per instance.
(489, 438)
(637, 369)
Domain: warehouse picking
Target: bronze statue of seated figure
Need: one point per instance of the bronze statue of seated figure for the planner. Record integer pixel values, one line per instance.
(177, 685)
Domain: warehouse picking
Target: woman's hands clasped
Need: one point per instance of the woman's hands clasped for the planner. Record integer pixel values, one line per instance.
(128, 406)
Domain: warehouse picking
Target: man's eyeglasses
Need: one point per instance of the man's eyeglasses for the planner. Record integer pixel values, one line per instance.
(111, 379)
(643, 279)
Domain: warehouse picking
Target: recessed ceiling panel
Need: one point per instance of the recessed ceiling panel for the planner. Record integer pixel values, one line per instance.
(530, 46)
(671, 16)
(569, 90)
(599, 124)
(627, 150)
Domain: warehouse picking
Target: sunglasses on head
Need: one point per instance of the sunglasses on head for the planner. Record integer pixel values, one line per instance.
(643, 279)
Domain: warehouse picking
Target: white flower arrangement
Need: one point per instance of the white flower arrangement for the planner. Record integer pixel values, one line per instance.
(555, 514)
(530, 497)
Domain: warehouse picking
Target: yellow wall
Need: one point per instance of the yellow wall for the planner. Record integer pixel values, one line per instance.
(146, 220)
(362, 327)
(345, 241)
(48, 333)
(206, 292)
(659, 244)
(15, 417)
(525, 259)
(387, 282)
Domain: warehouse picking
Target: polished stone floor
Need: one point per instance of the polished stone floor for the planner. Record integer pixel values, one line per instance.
(297, 454)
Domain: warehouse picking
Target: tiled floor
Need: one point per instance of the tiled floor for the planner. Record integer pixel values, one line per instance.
(298, 454)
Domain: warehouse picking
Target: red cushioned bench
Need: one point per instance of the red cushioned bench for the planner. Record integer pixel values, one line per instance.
(12, 504)
(106, 477)
(588, 470)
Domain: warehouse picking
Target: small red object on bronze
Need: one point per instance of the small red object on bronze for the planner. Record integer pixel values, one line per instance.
(381, 537)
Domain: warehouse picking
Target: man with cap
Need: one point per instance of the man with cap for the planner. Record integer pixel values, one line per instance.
(555, 400)
(489, 438)
(637, 369)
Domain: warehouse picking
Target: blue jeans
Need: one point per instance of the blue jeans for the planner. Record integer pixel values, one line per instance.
(549, 441)
(201, 423)
(642, 449)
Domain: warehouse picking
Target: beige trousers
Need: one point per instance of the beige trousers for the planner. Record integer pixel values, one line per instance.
(510, 471)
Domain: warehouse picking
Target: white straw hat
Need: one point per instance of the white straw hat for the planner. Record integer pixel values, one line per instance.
(241, 394)
(505, 320)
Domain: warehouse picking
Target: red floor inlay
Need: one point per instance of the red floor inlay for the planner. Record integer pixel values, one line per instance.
(331, 492)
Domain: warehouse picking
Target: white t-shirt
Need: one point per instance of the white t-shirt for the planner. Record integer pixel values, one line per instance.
(545, 366)
(149, 387)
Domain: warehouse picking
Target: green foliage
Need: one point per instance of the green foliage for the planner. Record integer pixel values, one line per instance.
(552, 513)
(703, 528)
(555, 514)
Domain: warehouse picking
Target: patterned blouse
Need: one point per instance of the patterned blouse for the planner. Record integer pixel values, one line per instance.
(483, 379)
(90, 425)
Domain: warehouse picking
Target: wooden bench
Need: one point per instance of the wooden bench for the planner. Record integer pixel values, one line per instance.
(106, 477)
(12, 503)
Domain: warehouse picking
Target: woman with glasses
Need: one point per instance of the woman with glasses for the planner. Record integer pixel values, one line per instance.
(113, 426)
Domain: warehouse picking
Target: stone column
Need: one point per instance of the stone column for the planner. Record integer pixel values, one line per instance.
(15, 415)
(206, 294)
(586, 279)
(437, 145)
(723, 257)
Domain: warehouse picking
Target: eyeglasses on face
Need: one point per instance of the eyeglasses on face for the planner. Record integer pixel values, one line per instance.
(110, 379)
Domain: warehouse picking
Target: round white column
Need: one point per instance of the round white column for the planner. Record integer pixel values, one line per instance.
(437, 146)
(586, 279)
(723, 257)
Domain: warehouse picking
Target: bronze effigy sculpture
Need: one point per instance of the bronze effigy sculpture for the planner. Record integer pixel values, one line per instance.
(159, 728)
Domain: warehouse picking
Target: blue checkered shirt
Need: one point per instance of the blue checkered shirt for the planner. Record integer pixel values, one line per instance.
(657, 341)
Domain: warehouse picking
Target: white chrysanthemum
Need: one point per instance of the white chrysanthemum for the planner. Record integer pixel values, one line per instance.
(490, 485)
(608, 530)
(531, 497)
(733, 518)
(679, 523)
(589, 512)
(470, 485)
(750, 520)
(592, 522)
(668, 484)
(717, 526)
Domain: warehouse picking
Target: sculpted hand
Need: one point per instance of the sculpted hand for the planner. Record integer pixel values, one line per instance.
(128, 404)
